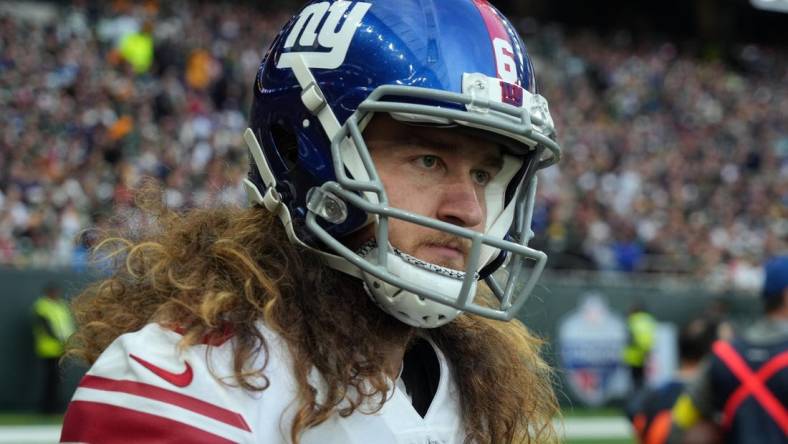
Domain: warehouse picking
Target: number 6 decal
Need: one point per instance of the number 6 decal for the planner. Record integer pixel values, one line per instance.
(504, 60)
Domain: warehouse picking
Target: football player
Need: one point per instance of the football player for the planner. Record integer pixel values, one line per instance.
(362, 298)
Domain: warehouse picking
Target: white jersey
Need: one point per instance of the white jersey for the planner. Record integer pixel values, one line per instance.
(142, 389)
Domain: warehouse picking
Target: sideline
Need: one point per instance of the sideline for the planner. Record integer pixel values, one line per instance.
(42, 434)
(600, 427)
(593, 427)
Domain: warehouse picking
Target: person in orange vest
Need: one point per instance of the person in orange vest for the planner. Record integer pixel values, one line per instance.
(52, 325)
(651, 415)
(742, 390)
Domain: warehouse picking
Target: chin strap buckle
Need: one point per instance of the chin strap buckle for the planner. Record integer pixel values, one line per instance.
(326, 205)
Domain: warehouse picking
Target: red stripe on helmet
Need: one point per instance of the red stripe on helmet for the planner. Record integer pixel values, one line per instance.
(495, 28)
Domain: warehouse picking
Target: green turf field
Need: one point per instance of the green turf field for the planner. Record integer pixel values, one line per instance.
(21, 419)
(601, 441)
(581, 413)
(18, 419)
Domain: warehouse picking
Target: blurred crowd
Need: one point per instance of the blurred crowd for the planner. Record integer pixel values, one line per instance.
(673, 163)
(99, 99)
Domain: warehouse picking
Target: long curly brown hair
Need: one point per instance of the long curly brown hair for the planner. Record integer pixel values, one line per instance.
(209, 269)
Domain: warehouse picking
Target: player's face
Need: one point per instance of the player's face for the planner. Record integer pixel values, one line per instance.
(434, 172)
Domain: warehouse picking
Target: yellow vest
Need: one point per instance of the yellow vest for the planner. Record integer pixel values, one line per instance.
(642, 328)
(55, 313)
(137, 49)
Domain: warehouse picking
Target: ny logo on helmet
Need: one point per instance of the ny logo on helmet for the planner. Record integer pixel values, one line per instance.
(321, 40)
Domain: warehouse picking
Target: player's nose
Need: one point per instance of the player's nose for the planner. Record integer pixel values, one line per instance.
(460, 203)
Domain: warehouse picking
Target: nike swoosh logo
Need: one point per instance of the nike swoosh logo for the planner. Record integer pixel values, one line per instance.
(177, 379)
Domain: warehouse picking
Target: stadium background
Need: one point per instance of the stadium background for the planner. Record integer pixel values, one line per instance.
(672, 116)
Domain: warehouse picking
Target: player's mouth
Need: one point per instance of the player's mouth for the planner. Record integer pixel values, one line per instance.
(446, 252)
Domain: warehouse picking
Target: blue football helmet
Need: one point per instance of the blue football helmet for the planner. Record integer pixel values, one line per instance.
(450, 63)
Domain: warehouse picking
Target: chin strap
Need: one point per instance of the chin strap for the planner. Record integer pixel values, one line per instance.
(272, 201)
(406, 306)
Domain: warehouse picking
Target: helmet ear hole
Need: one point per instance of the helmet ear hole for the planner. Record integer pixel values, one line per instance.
(286, 144)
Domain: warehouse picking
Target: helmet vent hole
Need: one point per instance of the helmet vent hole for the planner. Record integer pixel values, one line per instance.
(376, 284)
(421, 298)
(441, 317)
(403, 314)
(425, 318)
(286, 144)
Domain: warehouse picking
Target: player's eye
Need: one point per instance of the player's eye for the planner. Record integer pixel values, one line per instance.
(481, 177)
(428, 161)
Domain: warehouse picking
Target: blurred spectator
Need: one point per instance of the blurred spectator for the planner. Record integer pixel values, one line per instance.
(52, 326)
(641, 333)
(650, 412)
(137, 49)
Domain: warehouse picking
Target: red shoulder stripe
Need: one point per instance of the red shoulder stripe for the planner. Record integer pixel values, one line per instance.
(90, 422)
(228, 417)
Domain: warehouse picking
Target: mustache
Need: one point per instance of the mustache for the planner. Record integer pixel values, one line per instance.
(461, 244)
